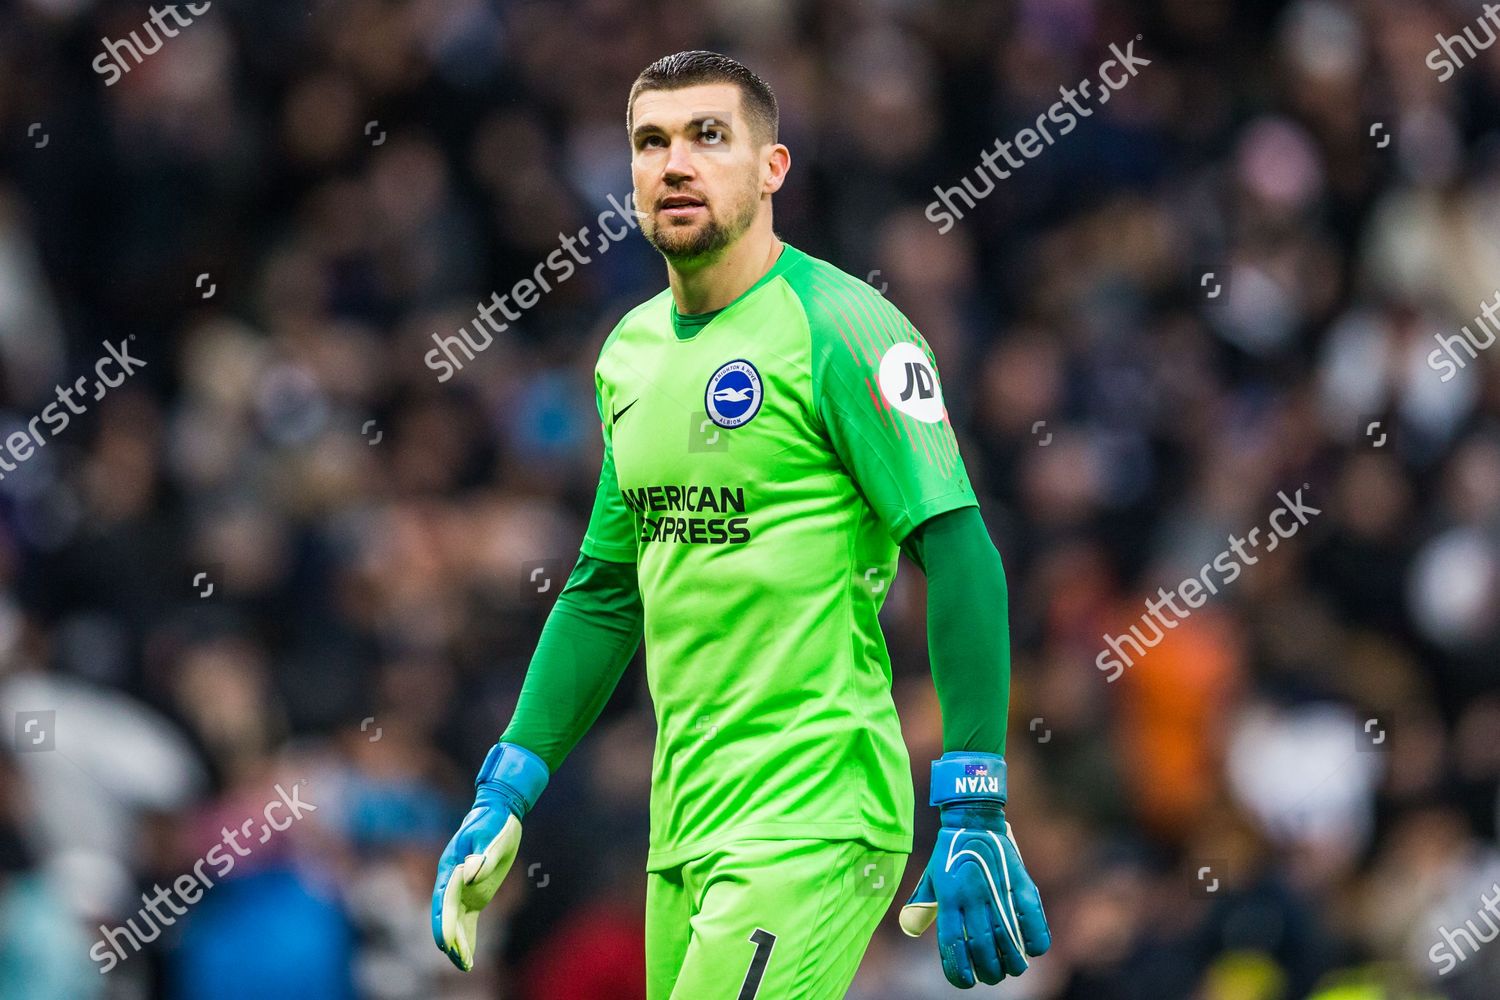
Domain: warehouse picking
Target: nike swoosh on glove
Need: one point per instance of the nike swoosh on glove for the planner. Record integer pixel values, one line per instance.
(479, 856)
(988, 912)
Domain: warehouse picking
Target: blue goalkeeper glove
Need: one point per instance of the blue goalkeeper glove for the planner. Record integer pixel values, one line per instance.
(481, 852)
(989, 916)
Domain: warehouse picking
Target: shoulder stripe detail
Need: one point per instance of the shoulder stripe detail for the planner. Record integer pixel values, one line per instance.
(847, 330)
(840, 318)
(880, 324)
(868, 324)
(877, 403)
(865, 333)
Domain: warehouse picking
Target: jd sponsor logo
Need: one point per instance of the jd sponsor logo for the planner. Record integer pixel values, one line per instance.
(908, 383)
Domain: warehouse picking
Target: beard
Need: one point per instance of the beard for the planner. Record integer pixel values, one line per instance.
(704, 241)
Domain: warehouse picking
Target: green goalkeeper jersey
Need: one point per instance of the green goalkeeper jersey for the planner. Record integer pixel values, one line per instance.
(761, 465)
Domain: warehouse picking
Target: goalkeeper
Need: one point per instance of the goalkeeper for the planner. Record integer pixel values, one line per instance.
(774, 433)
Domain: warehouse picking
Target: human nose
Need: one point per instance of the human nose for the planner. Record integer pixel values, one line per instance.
(679, 161)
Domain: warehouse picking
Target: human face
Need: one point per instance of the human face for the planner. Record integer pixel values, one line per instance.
(698, 175)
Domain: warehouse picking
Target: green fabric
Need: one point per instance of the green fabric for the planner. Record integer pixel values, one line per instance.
(687, 325)
(766, 541)
(589, 638)
(968, 631)
(820, 899)
(595, 628)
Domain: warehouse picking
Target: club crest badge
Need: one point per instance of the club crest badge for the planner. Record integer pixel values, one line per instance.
(733, 396)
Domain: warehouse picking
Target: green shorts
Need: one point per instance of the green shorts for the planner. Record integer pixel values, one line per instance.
(766, 920)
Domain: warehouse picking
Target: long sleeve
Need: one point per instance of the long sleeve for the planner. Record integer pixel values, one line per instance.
(968, 628)
(589, 638)
(591, 633)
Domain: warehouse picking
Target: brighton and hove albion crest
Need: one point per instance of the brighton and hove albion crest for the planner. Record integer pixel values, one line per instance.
(733, 394)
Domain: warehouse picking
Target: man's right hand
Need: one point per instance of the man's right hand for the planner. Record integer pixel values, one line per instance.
(480, 854)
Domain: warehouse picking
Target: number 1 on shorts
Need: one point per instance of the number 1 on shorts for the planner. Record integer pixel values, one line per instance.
(764, 942)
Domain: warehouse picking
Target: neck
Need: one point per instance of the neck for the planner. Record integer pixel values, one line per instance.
(700, 286)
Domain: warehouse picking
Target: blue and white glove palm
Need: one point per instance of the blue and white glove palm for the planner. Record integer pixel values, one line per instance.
(988, 913)
(480, 854)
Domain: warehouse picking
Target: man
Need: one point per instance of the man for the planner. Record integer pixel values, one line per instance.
(773, 431)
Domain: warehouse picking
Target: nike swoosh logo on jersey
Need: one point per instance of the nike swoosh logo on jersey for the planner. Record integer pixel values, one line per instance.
(620, 413)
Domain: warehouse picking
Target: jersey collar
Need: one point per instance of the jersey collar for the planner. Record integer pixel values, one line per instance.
(687, 325)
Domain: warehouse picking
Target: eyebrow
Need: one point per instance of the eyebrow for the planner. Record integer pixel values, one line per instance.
(641, 131)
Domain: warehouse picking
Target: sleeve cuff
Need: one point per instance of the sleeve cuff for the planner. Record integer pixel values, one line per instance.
(516, 768)
(609, 552)
(962, 776)
(912, 519)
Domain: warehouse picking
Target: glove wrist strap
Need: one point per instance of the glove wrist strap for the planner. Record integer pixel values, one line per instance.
(516, 769)
(966, 776)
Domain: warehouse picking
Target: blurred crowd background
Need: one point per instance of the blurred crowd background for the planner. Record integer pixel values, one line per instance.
(284, 551)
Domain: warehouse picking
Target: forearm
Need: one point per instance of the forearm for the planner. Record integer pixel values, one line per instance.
(968, 628)
(589, 638)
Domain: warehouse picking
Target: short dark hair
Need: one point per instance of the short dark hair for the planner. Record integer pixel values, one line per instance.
(689, 69)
